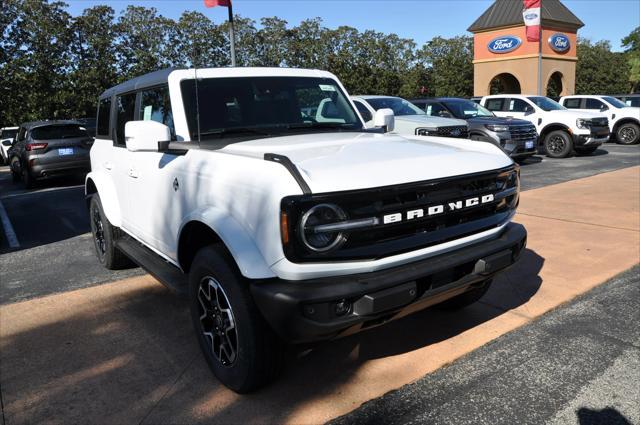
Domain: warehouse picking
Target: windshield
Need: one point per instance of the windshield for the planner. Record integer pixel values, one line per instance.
(617, 103)
(8, 134)
(465, 109)
(546, 104)
(399, 106)
(266, 105)
(65, 131)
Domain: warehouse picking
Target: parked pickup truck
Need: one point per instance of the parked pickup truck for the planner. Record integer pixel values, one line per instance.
(561, 131)
(624, 120)
(259, 193)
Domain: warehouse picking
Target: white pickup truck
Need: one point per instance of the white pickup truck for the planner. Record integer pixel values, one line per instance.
(561, 131)
(624, 120)
(260, 194)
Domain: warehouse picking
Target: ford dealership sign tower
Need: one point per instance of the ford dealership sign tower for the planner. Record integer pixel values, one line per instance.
(507, 59)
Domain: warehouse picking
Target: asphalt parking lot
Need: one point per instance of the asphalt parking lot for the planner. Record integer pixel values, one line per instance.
(55, 256)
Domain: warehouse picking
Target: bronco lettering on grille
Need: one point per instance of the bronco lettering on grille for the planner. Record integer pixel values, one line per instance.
(438, 209)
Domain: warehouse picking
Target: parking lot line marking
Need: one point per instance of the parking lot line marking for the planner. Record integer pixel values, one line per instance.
(36, 192)
(12, 239)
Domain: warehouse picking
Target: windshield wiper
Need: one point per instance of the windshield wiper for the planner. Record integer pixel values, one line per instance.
(235, 130)
(318, 125)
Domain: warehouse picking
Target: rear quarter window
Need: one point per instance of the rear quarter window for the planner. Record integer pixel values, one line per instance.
(104, 117)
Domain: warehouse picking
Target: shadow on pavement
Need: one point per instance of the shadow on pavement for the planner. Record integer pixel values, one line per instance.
(606, 416)
(126, 353)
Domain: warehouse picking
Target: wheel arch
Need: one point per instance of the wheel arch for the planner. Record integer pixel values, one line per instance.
(552, 127)
(622, 121)
(103, 186)
(213, 226)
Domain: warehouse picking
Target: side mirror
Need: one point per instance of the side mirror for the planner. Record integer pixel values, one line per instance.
(444, 114)
(385, 119)
(6, 142)
(143, 136)
(604, 108)
(528, 110)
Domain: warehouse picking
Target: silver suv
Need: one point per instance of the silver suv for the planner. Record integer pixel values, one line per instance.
(49, 148)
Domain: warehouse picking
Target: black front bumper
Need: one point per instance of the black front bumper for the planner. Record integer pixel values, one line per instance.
(304, 311)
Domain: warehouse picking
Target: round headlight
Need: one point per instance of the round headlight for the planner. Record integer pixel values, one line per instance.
(311, 232)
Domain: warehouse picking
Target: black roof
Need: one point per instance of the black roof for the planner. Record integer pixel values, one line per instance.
(33, 124)
(147, 80)
(506, 13)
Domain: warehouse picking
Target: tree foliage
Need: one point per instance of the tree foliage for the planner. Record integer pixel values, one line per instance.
(53, 65)
(599, 70)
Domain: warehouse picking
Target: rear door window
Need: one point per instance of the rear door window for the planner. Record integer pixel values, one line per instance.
(156, 106)
(494, 104)
(573, 103)
(104, 117)
(125, 112)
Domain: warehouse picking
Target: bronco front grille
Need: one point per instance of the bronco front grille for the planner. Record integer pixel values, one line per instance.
(381, 240)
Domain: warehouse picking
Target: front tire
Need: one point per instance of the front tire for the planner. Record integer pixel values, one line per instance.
(558, 144)
(628, 134)
(104, 238)
(240, 348)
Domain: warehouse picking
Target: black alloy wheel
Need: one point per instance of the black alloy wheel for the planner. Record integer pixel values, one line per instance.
(558, 144)
(628, 134)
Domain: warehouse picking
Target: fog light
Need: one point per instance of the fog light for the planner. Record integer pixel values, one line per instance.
(342, 307)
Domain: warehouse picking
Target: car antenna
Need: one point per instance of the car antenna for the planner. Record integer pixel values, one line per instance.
(195, 72)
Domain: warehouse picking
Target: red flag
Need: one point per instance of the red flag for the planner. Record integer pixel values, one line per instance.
(214, 3)
(531, 15)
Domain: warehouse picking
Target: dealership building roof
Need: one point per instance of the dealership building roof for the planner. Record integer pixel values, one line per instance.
(507, 13)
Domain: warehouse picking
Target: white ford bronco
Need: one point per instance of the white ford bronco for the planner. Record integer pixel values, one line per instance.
(260, 195)
(561, 131)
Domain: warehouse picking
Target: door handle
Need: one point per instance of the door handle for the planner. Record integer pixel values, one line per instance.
(133, 173)
(107, 165)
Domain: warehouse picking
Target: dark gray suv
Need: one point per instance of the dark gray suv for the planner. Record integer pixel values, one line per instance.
(44, 149)
(518, 138)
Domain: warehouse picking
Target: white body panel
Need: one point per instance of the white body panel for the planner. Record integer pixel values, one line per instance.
(237, 193)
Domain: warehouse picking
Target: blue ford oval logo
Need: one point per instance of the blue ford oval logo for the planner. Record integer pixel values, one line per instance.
(559, 42)
(504, 44)
(530, 16)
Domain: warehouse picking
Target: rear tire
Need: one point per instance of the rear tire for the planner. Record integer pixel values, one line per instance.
(14, 164)
(463, 300)
(558, 144)
(104, 238)
(628, 134)
(27, 178)
(240, 348)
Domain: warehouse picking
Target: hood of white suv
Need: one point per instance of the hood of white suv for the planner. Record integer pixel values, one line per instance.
(346, 161)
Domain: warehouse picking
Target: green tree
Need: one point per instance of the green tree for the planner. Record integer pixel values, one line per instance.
(93, 59)
(631, 43)
(451, 65)
(143, 41)
(36, 41)
(599, 70)
(197, 41)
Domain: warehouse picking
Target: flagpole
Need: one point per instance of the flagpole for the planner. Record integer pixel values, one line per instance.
(540, 54)
(232, 36)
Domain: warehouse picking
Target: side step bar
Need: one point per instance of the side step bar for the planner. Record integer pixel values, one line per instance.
(168, 274)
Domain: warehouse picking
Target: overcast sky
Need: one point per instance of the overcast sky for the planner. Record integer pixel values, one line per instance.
(418, 19)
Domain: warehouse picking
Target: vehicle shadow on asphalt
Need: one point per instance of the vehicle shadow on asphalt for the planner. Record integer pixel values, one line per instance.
(126, 352)
(53, 211)
(608, 416)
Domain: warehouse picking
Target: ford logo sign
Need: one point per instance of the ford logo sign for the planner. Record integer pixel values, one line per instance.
(504, 44)
(456, 133)
(559, 42)
(530, 16)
